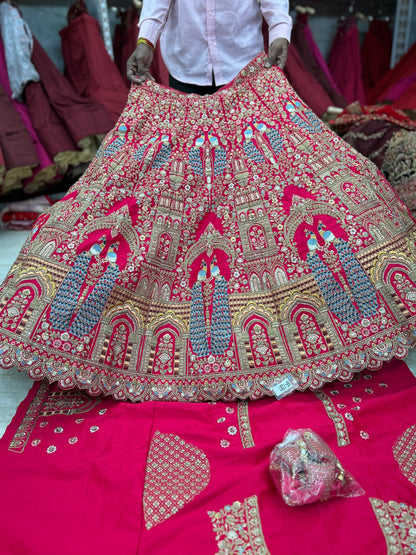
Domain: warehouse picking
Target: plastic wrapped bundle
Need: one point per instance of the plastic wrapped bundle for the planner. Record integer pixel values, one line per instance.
(305, 470)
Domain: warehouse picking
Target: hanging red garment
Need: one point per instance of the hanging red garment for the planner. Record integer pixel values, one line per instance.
(301, 38)
(50, 128)
(19, 152)
(46, 170)
(404, 68)
(125, 36)
(376, 53)
(305, 84)
(88, 66)
(82, 117)
(345, 61)
(301, 80)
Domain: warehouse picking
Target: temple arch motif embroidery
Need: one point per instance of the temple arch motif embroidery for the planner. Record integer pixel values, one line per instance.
(255, 283)
(17, 308)
(261, 349)
(164, 352)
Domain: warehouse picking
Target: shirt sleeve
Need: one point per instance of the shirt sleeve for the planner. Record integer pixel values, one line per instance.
(276, 14)
(153, 18)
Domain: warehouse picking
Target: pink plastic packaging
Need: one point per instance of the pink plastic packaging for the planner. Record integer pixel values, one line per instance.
(305, 470)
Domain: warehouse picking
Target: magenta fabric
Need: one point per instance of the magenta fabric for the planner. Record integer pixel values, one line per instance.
(344, 61)
(404, 68)
(92, 476)
(319, 58)
(304, 43)
(407, 101)
(400, 88)
(213, 245)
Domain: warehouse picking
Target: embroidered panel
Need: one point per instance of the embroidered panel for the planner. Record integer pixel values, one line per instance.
(244, 425)
(25, 429)
(238, 529)
(176, 472)
(213, 244)
(404, 451)
(49, 402)
(398, 523)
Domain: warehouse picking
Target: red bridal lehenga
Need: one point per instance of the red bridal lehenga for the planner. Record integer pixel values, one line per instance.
(213, 245)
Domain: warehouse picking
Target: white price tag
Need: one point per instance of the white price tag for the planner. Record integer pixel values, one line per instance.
(284, 386)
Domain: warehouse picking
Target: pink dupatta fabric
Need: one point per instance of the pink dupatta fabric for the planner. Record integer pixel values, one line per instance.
(89, 475)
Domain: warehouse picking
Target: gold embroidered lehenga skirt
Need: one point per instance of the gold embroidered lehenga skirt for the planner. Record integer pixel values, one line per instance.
(213, 245)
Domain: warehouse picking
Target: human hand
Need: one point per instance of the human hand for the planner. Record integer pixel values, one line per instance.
(277, 53)
(139, 63)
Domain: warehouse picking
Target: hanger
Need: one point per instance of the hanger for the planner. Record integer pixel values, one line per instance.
(349, 13)
(305, 9)
(362, 17)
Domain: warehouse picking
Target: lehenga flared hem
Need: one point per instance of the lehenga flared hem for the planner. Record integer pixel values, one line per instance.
(40, 365)
(213, 246)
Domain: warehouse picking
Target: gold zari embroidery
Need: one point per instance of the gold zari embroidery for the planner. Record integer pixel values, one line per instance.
(50, 403)
(244, 425)
(176, 472)
(404, 451)
(24, 431)
(238, 529)
(397, 522)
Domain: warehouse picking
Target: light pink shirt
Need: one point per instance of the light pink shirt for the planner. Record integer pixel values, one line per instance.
(199, 38)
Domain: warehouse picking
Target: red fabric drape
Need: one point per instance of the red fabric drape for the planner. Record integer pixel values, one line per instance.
(82, 116)
(301, 80)
(345, 61)
(15, 141)
(48, 125)
(89, 67)
(407, 101)
(376, 53)
(300, 41)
